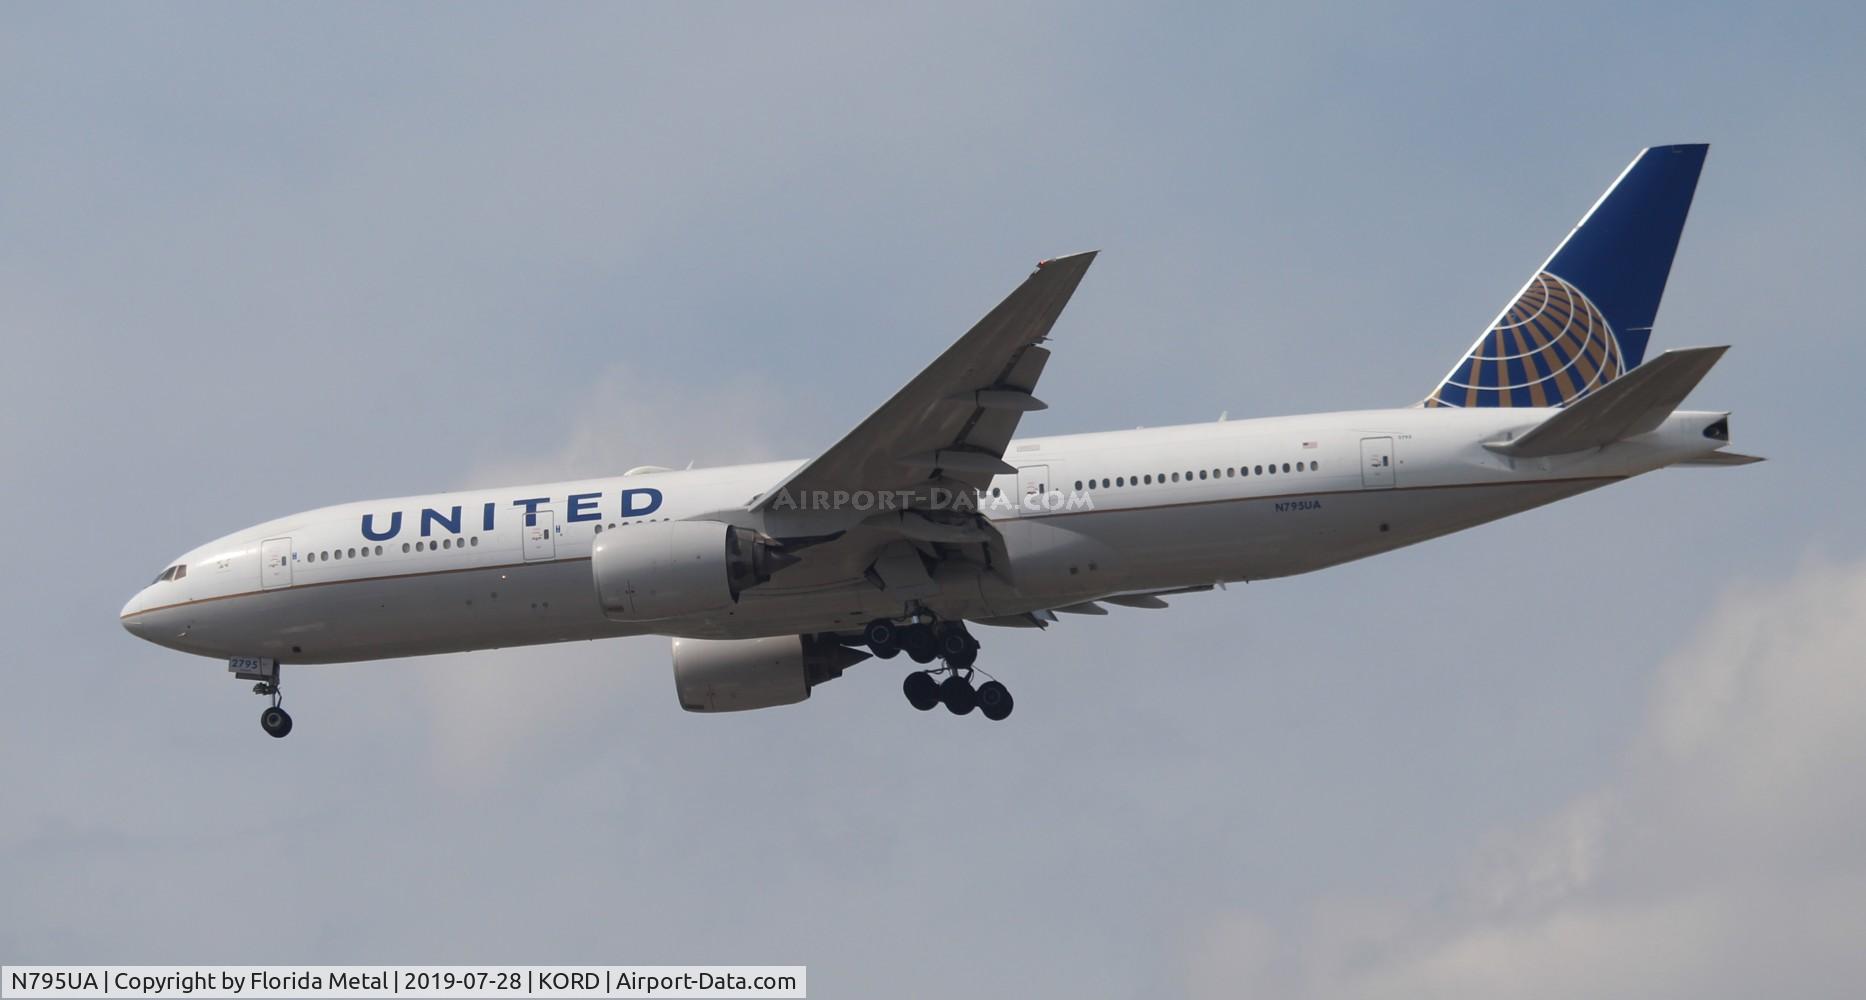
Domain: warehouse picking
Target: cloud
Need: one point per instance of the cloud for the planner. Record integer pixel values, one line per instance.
(1725, 857)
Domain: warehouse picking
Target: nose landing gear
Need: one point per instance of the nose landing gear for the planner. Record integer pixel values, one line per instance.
(274, 720)
(952, 644)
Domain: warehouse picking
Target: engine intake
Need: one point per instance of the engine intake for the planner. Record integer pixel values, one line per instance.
(734, 675)
(674, 569)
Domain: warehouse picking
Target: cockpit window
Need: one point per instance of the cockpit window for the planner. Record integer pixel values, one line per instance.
(175, 572)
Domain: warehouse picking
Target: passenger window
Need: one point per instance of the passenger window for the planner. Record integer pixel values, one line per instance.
(1231, 473)
(1285, 466)
(474, 541)
(1104, 484)
(1259, 470)
(1120, 480)
(1175, 477)
(1078, 486)
(1149, 480)
(378, 550)
(353, 553)
(404, 546)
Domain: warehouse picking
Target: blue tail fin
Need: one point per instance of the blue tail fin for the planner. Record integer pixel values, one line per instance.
(1585, 316)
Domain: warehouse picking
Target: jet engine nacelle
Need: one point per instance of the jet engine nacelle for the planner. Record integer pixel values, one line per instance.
(658, 570)
(732, 675)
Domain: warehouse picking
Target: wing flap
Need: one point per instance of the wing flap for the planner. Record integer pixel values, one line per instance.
(1723, 458)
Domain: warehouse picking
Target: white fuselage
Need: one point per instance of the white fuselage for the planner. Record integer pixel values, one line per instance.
(1192, 509)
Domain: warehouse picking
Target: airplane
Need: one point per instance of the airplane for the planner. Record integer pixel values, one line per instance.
(931, 517)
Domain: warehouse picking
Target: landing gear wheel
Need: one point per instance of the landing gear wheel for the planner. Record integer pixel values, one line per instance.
(881, 632)
(994, 701)
(921, 689)
(276, 722)
(917, 641)
(953, 642)
(958, 695)
(886, 651)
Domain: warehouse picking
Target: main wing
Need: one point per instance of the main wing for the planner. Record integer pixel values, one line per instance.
(947, 428)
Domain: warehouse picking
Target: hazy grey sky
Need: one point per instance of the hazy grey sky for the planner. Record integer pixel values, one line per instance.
(262, 258)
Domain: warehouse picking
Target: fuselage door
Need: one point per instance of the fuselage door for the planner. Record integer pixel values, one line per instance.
(275, 563)
(540, 535)
(1377, 463)
(1033, 482)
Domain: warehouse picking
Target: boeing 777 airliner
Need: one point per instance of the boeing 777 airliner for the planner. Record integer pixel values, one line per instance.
(930, 517)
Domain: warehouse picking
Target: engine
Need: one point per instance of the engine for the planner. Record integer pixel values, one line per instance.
(658, 570)
(732, 675)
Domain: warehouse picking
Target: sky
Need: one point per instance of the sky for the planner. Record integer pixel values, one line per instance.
(257, 259)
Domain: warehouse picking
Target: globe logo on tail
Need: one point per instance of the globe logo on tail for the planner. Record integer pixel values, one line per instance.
(1549, 348)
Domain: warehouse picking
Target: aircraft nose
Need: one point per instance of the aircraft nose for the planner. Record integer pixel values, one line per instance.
(129, 616)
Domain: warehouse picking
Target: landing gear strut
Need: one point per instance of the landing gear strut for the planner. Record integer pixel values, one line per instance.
(952, 644)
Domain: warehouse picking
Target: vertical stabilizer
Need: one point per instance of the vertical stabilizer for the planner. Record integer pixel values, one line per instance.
(1583, 319)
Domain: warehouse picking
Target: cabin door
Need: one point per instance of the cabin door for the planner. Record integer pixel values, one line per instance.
(540, 535)
(1377, 463)
(1033, 483)
(275, 563)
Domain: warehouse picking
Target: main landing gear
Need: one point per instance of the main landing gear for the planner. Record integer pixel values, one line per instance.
(950, 643)
(275, 720)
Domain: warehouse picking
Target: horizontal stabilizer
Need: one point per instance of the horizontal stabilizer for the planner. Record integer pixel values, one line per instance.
(1630, 405)
(1723, 458)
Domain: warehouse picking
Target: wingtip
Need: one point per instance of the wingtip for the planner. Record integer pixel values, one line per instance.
(1082, 256)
